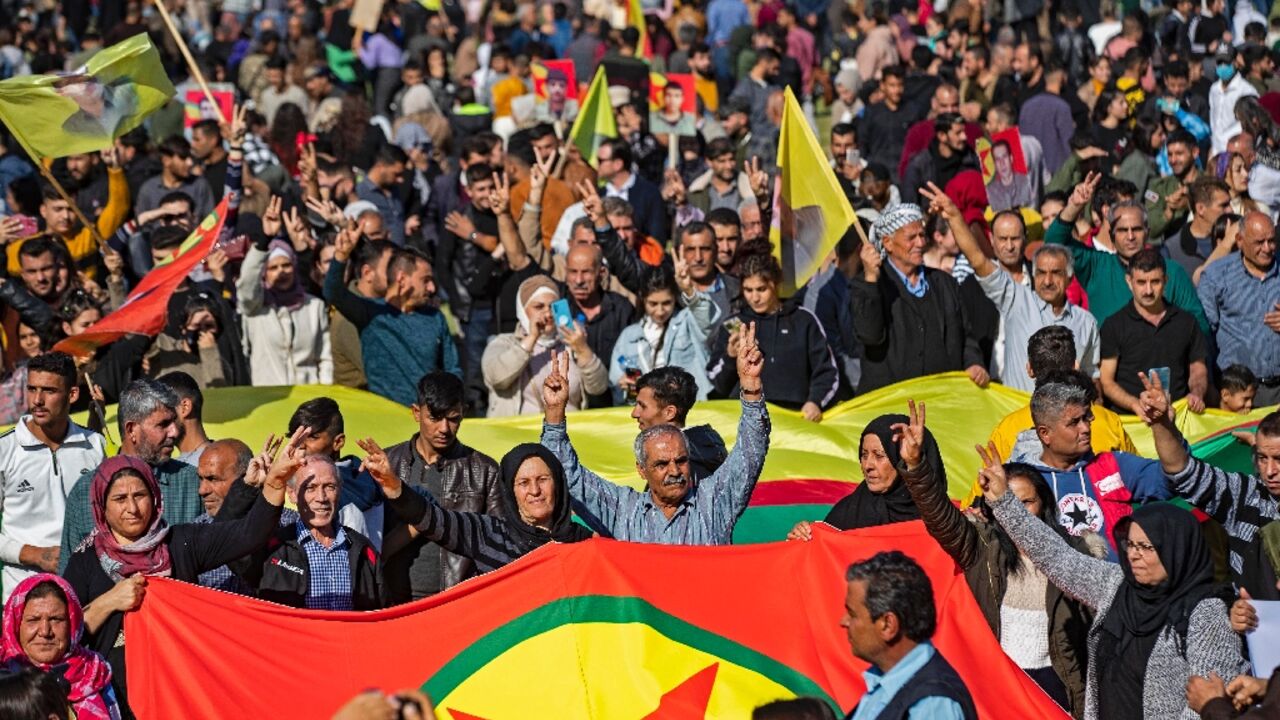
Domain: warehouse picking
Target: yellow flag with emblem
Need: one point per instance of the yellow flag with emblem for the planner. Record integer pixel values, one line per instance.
(595, 120)
(811, 212)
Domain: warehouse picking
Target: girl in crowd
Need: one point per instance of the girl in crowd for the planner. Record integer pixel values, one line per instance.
(1040, 627)
(131, 541)
(799, 369)
(286, 331)
(536, 508)
(1225, 233)
(1160, 618)
(1231, 168)
(43, 629)
(882, 497)
(667, 334)
(515, 364)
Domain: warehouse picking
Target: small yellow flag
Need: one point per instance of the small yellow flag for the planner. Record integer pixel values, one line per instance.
(595, 120)
(811, 212)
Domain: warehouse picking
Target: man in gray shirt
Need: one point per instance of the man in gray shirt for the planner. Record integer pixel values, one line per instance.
(176, 163)
(674, 510)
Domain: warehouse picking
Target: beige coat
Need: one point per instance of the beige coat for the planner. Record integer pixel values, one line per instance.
(514, 376)
(284, 347)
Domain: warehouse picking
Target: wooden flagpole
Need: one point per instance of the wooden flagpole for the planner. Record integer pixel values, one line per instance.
(191, 62)
(93, 227)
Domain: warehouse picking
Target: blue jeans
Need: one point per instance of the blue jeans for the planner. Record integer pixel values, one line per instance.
(477, 328)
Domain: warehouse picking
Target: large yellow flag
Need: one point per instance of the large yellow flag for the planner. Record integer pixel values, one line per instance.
(595, 120)
(62, 114)
(811, 213)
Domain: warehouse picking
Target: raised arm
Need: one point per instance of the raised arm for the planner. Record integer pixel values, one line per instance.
(943, 520)
(358, 310)
(729, 488)
(508, 232)
(623, 263)
(601, 498)
(1090, 580)
(940, 204)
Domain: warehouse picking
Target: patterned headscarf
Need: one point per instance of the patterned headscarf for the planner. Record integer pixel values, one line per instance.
(88, 673)
(892, 220)
(149, 554)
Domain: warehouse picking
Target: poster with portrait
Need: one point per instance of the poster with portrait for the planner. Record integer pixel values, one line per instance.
(196, 107)
(673, 100)
(1004, 171)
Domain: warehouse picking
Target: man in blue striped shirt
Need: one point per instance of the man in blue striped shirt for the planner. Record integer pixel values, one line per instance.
(1241, 298)
(674, 510)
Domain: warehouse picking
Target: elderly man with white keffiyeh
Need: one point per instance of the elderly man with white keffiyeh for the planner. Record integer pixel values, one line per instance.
(909, 318)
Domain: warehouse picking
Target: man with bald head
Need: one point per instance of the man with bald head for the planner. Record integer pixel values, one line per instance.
(221, 465)
(604, 313)
(946, 99)
(1241, 298)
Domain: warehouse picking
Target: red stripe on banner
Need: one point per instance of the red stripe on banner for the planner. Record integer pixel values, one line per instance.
(812, 491)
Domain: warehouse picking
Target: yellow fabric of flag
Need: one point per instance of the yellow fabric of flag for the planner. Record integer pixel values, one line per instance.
(595, 120)
(811, 213)
(57, 115)
(635, 19)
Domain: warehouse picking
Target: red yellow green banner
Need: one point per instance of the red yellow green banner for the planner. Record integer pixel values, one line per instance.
(599, 630)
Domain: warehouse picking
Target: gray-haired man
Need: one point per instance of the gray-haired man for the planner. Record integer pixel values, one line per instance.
(148, 423)
(1093, 491)
(675, 510)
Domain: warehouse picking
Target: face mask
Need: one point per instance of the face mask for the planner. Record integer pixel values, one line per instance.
(1226, 72)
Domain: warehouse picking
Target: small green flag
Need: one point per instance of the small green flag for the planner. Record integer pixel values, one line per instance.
(595, 120)
(63, 114)
(341, 62)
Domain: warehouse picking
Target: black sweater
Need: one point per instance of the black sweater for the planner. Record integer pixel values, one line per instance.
(906, 337)
(798, 366)
(193, 549)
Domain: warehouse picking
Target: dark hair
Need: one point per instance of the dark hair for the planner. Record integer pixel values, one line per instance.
(39, 245)
(48, 588)
(474, 145)
(752, 261)
(439, 392)
(1177, 68)
(479, 171)
(186, 388)
(1103, 105)
(946, 121)
(178, 196)
(1146, 260)
(168, 236)
(30, 694)
(1048, 505)
(1056, 195)
(621, 150)
(1236, 378)
(801, 708)
(1050, 348)
(208, 126)
(659, 279)
(921, 56)
(175, 145)
(1219, 231)
(724, 216)
(390, 155)
(1204, 188)
(1143, 129)
(404, 260)
(719, 147)
(321, 414)
(75, 302)
(844, 128)
(55, 363)
(1111, 191)
(1270, 425)
(276, 62)
(767, 54)
(1182, 136)
(897, 584)
(696, 227)
(894, 71)
(671, 386)
(368, 253)
(27, 194)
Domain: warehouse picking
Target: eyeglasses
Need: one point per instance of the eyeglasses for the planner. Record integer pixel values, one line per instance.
(1142, 548)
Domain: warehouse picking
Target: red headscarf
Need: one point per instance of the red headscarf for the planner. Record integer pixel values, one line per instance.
(88, 672)
(148, 555)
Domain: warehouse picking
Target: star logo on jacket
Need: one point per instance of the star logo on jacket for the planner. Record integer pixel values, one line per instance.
(1079, 513)
(25, 487)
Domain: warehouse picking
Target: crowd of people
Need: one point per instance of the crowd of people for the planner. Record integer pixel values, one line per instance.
(1074, 199)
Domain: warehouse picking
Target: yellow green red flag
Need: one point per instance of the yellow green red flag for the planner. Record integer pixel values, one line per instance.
(812, 212)
(635, 19)
(595, 120)
(62, 114)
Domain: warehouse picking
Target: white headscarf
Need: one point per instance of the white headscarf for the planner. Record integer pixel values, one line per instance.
(531, 289)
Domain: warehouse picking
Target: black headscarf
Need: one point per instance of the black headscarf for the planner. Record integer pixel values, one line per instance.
(1140, 613)
(865, 508)
(521, 533)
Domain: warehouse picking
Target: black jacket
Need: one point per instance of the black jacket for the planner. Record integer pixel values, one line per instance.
(468, 273)
(798, 366)
(193, 549)
(623, 262)
(469, 481)
(905, 337)
(650, 211)
(930, 167)
(282, 573)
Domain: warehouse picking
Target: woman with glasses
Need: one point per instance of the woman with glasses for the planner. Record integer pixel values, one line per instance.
(1160, 618)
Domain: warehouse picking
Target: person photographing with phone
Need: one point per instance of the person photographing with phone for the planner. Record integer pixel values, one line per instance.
(515, 364)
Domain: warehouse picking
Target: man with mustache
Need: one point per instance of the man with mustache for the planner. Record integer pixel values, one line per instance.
(674, 509)
(148, 425)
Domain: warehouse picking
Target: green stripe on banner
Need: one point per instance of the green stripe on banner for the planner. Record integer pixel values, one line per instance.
(770, 523)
